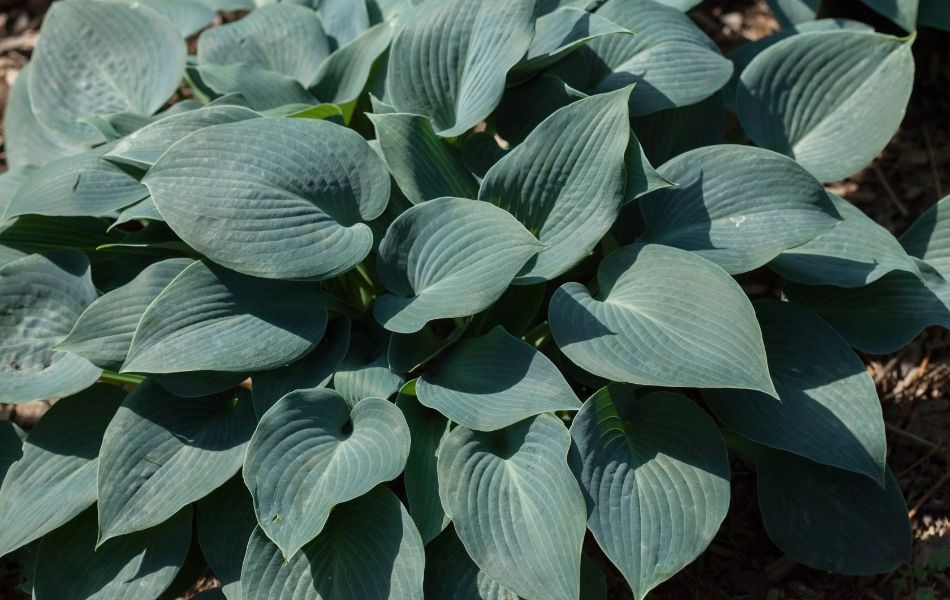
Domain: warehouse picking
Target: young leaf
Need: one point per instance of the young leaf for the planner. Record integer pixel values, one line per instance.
(655, 472)
(736, 206)
(423, 165)
(493, 381)
(161, 453)
(141, 565)
(102, 57)
(832, 125)
(663, 317)
(55, 479)
(368, 549)
(828, 410)
(225, 522)
(516, 506)
(809, 512)
(41, 296)
(929, 237)
(446, 258)
(311, 452)
(293, 210)
(565, 181)
(209, 318)
(428, 429)
(449, 63)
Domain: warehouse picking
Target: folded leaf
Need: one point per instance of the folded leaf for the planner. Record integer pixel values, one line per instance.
(445, 258)
(832, 125)
(516, 506)
(344, 74)
(929, 237)
(655, 473)
(209, 318)
(311, 452)
(737, 206)
(663, 317)
(365, 373)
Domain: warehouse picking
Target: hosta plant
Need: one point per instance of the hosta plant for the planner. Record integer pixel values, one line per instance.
(391, 300)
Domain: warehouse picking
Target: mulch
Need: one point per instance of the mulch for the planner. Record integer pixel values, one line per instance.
(910, 175)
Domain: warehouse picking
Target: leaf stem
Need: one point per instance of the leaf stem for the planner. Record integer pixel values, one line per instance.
(121, 378)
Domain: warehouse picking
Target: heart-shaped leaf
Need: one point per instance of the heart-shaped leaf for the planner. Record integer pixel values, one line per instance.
(226, 520)
(41, 296)
(665, 317)
(312, 451)
(809, 512)
(450, 64)
(103, 332)
(516, 506)
(737, 206)
(368, 549)
(565, 181)
(929, 237)
(855, 252)
(55, 479)
(655, 472)
(293, 210)
(494, 381)
(102, 57)
(161, 453)
(833, 126)
(445, 258)
(423, 165)
(209, 318)
(143, 564)
(283, 38)
(828, 410)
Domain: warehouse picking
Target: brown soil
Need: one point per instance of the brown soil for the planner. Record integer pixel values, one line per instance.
(911, 174)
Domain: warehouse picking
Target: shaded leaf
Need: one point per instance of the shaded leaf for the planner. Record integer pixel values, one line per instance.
(225, 523)
(929, 237)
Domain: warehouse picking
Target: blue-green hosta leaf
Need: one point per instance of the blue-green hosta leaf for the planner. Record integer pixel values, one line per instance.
(743, 55)
(445, 258)
(189, 16)
(102, 57)
(209, 318)
(55, 479)
(525, 106)
(365, 372)
(565, 181)
(161, 453)
(144, 210)
(103, 332)
(312, 451)
(25, 141)
(41, 296)
(934, 13)
(295, 208)
(225, 522)
(737, 206)
(140, 565)
(655, 472)
(559, 33)
(791, 12)
(929, 237)
(193, 384)
(828, 410)
(668, 133)
(368, 549)
(312, 371)
(428, 429)
(344, 74)
(11, 449)
(855, 252)
(10, 182)
(258, 89)
(809, 511)
(902, 12)
(836, 124)
(81, 185)
(424, 165)
(407, 352)
(516, 506)
(670, 60)
(884, 316)
(665, 317)
(450, 63)
(344, 20)
(680, 5)
(142, 148)
(515, 310)
(283, 38)
(494, 381)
